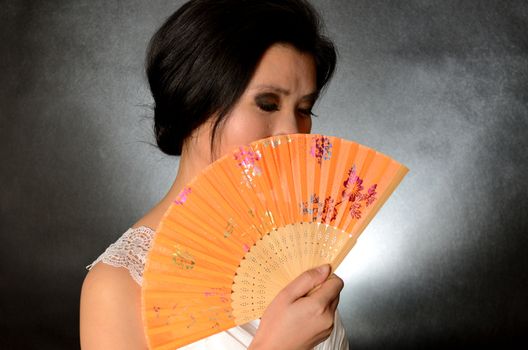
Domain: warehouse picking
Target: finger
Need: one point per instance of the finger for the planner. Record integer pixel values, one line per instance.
(333, 275)
(329, 290)
(335, 302)
(306, 281)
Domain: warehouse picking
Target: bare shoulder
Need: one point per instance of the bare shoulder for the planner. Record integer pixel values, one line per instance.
(110, 310)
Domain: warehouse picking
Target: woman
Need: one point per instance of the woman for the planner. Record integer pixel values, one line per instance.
(223, 73)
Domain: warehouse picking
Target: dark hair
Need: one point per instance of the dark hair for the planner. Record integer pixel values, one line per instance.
(200, 61)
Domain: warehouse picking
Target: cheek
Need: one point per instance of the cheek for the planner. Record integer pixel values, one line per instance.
(243, 128)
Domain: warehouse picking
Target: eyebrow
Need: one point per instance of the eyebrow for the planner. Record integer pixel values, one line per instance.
(313, 96)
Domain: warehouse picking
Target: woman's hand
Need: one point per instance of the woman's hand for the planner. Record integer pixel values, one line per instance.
(297, 319)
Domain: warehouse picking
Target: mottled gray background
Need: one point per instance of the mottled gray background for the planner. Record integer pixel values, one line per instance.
(441, 86)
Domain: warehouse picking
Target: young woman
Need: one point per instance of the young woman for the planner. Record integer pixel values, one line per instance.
(223, 73)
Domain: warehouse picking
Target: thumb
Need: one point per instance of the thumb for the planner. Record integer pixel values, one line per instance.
(305, 282)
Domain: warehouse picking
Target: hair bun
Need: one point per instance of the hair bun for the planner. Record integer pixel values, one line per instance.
(168, 136)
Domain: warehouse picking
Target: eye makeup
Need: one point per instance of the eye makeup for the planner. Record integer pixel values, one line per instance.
(267, 102)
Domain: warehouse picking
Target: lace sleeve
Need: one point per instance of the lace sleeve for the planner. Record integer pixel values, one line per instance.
(129, 251)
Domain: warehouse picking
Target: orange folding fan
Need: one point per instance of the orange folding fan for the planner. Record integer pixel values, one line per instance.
(250, 223)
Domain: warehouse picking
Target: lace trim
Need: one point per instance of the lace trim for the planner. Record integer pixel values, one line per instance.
(129, 251)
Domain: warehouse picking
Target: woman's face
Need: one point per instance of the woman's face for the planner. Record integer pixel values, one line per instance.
(278, 100)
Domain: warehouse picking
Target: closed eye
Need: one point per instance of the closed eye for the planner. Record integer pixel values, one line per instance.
(269, 107)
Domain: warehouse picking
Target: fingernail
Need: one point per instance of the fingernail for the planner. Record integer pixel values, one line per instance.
(323, 270)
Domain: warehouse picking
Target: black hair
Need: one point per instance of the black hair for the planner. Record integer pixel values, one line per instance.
(200, 61)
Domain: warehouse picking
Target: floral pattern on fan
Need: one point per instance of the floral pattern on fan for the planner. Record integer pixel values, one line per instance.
(189, 318)
(229, 228)
(246, 159)
(326, 209)
(182, 258)
(353, 187)
(320, 209)
(222, 293)
(254, 220)
(182, 196)
(321, 148)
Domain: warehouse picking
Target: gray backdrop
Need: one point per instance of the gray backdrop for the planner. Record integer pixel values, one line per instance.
(441, 86)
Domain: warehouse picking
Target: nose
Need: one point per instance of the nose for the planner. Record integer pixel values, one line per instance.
(285, 123)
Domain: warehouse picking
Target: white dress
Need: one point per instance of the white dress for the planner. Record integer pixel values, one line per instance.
(130, 251)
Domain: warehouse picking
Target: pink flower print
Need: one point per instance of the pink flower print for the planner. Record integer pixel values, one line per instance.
(182, 196)
(352, 192)
(353, 185)
(355, 209)
(246, 157)
(329, 209)
(219, 292)
(321, 148)
(370, 196)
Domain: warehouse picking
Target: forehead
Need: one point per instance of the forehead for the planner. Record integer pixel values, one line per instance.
(285, 66)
